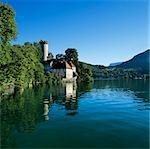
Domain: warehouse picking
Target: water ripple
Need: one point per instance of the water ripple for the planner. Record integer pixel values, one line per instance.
(115, 97)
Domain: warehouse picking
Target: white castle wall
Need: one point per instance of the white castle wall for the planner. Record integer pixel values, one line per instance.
(69, 73)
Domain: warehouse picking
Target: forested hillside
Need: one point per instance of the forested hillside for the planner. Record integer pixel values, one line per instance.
(139, 62)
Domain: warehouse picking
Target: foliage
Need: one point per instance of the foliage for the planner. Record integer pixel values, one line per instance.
(53, 79)
(39, 51)
(7, 23)
(20, 65)
(60, 57)
(117, 73)
(50, 55)
(72, 55)
(102, 72)
(138, 63)
(85, 73)
(39, 73)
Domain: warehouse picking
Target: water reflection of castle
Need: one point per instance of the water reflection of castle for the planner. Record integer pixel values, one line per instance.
(66, 97)
(70, 91)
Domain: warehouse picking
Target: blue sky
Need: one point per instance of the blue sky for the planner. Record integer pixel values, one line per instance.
(103, 31)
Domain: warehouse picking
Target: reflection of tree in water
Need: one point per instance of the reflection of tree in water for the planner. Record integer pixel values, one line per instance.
(83, 88)
(21, 113)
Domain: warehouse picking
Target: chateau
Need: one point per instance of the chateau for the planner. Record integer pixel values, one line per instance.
(66, 70)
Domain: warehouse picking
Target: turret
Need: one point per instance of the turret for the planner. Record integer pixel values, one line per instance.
(44, 45)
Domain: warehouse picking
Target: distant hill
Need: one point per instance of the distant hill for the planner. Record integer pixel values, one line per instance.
(139, 62)
(92, 67)
(115, 64)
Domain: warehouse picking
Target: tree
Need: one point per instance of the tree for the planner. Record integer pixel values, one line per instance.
(7, 23)
(20, 65)
(85, 73)
(60, 57)
(50, 55)
(39, 73)
(72, 55)
(38, 46)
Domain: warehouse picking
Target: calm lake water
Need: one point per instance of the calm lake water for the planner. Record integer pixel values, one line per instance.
(106, 114)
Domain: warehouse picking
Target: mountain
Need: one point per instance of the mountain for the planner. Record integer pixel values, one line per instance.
(115, 64)
(139, 62)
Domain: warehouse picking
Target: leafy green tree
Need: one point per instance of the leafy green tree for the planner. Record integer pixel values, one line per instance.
(72, 55)
(53, 79)
(39, 51)
(60, 57)
(50, 55)
(85, 73)
(7, 23)
(39, 73)
(20, 65)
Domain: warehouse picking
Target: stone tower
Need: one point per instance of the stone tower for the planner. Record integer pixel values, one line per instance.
(44, 45)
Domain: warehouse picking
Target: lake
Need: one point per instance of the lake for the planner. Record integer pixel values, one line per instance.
(103, 114)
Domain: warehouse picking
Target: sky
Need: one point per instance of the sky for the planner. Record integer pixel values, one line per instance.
(103, 31)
